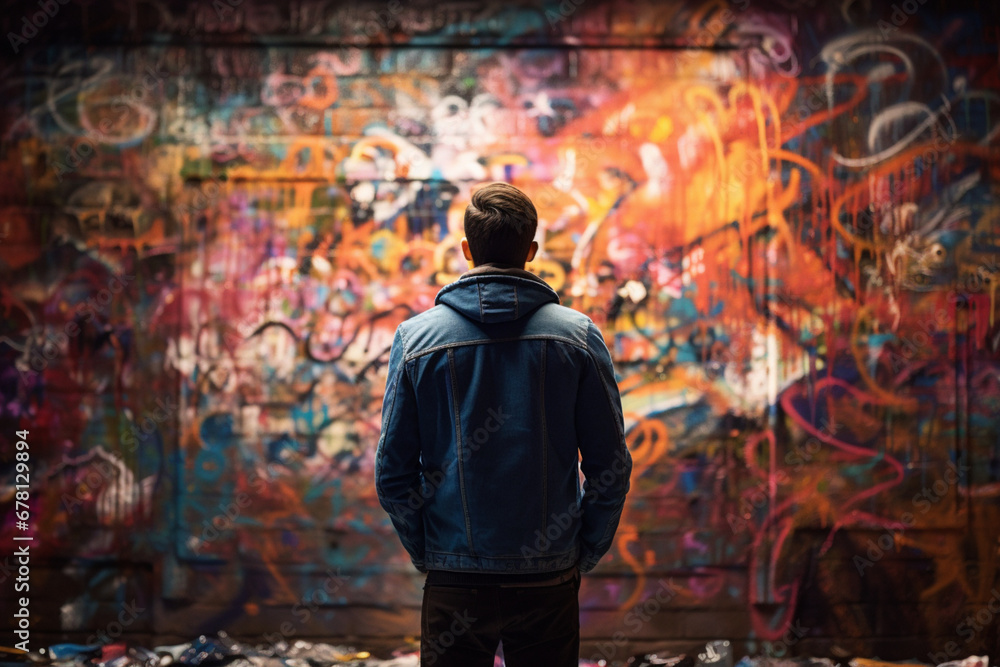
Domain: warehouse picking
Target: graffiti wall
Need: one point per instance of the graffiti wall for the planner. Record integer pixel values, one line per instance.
(783, 216)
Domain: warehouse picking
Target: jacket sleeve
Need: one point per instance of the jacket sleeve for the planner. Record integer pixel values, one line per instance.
(605, 459)
(397, 457)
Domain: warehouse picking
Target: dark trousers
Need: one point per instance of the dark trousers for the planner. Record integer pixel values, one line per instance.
(539, 625)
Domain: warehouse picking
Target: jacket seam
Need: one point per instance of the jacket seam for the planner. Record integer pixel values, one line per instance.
(407, 367)
(486, 341)
(609, 530)
(622, 447)
(607, 394)
(517, 556)
(545, 445)
(611, 403)
(402, 337)
(479, 292)
(458, 448)
(379, 489)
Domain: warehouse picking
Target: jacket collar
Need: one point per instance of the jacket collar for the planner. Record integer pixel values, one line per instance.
(496, 293)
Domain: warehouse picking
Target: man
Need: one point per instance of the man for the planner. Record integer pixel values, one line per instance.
(492, 398)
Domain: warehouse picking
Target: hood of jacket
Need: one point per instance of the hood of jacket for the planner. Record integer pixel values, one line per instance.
(496, 293)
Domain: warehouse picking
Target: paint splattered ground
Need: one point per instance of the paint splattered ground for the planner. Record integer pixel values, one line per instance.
(224, 650)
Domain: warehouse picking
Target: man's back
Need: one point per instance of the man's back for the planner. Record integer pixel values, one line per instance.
(507, 388)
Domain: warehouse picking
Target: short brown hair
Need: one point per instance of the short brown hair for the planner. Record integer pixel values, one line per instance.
(500, 223)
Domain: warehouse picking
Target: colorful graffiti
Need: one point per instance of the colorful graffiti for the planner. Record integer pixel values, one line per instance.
(787, 229)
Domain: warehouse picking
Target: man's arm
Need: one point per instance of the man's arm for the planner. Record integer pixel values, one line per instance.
(397, 458)
(606, 462)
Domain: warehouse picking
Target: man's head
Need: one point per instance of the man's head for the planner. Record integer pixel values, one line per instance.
(500, 223)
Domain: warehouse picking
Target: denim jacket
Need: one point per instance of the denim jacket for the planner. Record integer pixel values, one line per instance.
(496, 399)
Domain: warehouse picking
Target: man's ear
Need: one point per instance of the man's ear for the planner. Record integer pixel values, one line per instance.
(465, 249)
(531, 251)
